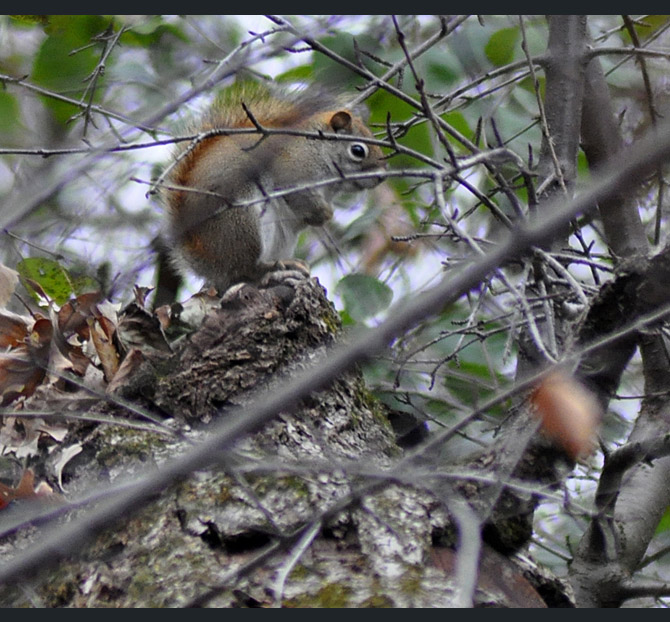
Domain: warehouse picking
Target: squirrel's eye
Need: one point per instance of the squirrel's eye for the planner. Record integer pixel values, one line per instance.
(358, 151)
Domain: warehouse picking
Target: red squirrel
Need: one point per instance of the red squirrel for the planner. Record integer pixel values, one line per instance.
(225, 241)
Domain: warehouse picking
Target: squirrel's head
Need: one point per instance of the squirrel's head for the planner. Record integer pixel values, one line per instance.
(351, 156)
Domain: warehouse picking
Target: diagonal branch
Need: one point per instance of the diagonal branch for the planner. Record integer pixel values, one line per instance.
(67, 540)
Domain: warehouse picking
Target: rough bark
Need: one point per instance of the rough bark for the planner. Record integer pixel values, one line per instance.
(313, 479)
(614, 544)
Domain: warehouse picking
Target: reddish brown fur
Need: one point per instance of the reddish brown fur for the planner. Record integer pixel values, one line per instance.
(281, 111)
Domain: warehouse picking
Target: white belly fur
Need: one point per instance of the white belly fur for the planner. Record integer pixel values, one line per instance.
(278, 229)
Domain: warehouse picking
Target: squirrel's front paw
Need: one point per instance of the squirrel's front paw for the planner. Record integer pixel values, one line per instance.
(286, 270)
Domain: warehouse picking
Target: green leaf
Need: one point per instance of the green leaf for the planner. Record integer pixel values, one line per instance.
(363, 295)
(500, 47)
(331, 72)
(381, 104)
(346, 319)
(440, 69)
(31, 20)
(458, 121)
(56, 69)
(296, 74)
(652, 23)
(527, 84)
(664, 523)
(54, 280)
(441, 74)
(9, 113)
(150, 32)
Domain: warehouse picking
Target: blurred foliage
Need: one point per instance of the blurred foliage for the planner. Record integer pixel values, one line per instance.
(364, 296)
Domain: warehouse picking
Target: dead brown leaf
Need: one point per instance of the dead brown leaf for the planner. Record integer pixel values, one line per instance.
(569, 413)
(24, 367)
(101, 330)
(13, 329)
(25, 489)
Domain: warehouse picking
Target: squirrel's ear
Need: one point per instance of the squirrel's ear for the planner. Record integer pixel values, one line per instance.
(341, 121)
